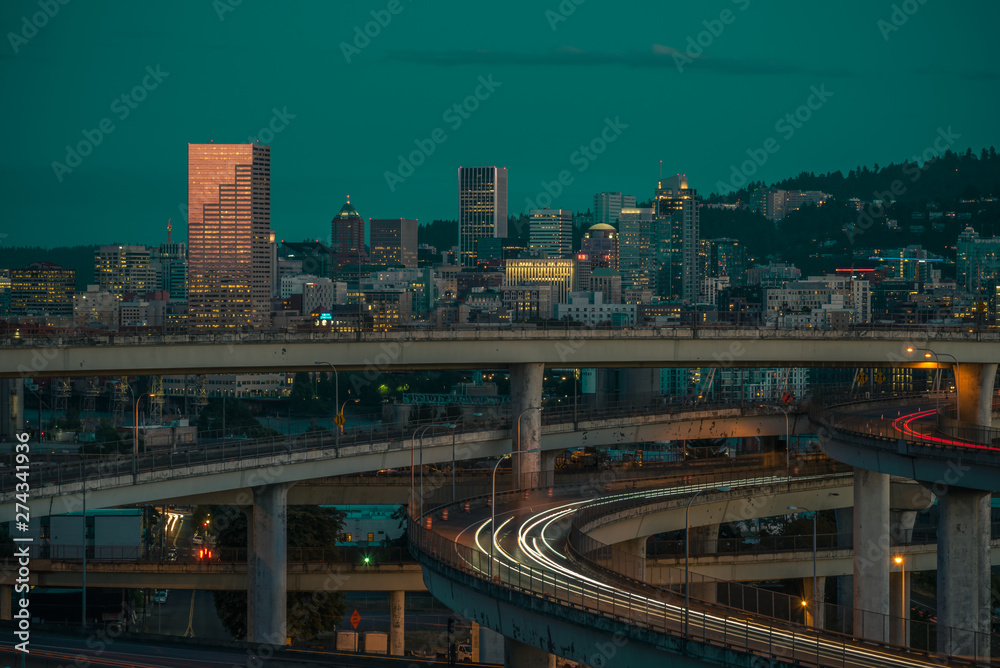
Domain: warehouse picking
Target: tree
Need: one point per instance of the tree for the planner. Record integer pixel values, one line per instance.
(309, 613)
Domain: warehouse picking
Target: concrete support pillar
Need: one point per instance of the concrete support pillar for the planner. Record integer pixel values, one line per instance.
(11, 408)
(519, 655)
(491, 646)
(248, 513)
(637, 567)
(525, 393)
(397, 622)
(548, 477)
(975, 392)
(6, 596)
(845, 583)
(871, 554)
(269, 572)
(704, 539)
(963, 572)
(814, 601)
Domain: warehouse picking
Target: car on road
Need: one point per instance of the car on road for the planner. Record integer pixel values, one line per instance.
(464, 653)
(160, 596)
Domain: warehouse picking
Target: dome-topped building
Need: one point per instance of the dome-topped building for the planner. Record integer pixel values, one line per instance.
(347, 233)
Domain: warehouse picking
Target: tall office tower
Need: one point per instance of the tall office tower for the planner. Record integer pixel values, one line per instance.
(229, 229)
(723, 256)
(600, 243)
(170, 263)
(608, 206)
(678, 219)
(482, 208)
(124, 269)
(347, 231)
(551, 233)
(393, 241)
(977, 261)
(42, 288)
(635, 249)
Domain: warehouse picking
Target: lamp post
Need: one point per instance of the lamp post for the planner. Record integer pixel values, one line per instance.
(687, 552)
(135, 432)
(928, 353)
(815, 590)
(493, 502)
(529, 408)
(413, 443)
(902, 609)
(336, 396)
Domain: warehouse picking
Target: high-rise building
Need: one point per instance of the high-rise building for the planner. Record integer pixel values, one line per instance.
(170, 262)
(608, 207)
(347, 230)
(229, 231)
(125, 269)
(776, 204)
(482, 208)
(636, 259)
(977, 261)
(600, 243)
(551, 233)
(724, 257)
(535, 271)
(393, 242)
(42, 288)
(678, 222)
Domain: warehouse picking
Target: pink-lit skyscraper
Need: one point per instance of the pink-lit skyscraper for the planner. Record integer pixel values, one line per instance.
(229, 230)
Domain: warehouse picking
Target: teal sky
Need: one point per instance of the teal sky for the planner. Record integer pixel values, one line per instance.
(227, 69)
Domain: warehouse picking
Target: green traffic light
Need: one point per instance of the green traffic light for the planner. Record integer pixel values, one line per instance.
(367, 559)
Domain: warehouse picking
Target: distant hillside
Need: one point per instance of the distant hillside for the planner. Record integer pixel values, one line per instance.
(951, 177)
(78, 258)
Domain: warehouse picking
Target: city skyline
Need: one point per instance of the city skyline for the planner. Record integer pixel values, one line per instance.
(140, 97)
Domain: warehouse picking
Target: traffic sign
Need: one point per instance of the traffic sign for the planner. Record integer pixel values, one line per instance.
(339, 420)
(355, 620)
(862, 377)
(879, 377)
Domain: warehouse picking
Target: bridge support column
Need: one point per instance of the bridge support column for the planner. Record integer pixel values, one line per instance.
(6, 596)
(809, 596)
(397, 622)
(845, 583)
(526, 393)
(519, 655)
(269, 573)
(871, 554)
(963, 572)
(704, 540)
(637, 548)
(491, 646)
(548, 477)
(975, 393)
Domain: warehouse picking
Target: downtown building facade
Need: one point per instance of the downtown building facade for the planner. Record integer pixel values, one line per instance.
(393, 242)
(229, 234)
(608, 207)
(550, 233)
(677, 239)
(482, 209)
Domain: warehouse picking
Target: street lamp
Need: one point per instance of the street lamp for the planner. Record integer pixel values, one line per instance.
(493, 501)
(135, 431)
(902, 610)
(687, 551)
(529, 408)
(413, 442)
(928, 353)
(815, 590)
(336, 396)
